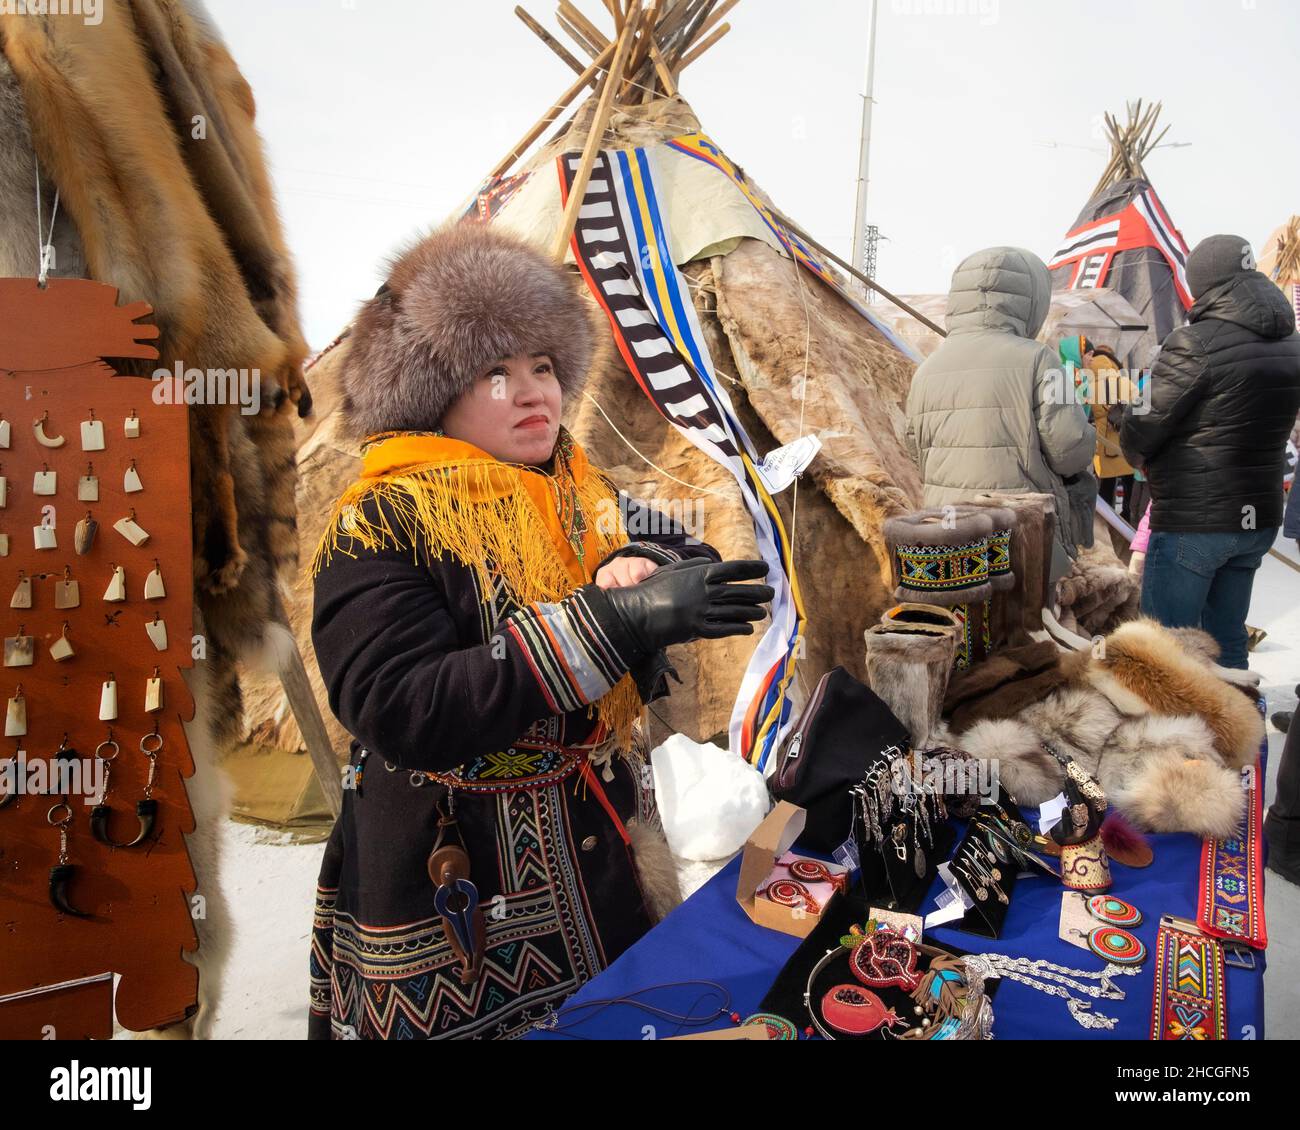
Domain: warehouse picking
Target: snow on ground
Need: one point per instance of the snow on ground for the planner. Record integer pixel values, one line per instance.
(272, 880)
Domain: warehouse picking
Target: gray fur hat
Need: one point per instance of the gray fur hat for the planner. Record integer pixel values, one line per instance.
(455, 304)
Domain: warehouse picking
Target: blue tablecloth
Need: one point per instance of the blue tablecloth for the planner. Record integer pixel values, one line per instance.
(710, 938)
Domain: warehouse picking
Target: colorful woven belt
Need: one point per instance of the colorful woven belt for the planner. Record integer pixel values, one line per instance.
(1189, 1002)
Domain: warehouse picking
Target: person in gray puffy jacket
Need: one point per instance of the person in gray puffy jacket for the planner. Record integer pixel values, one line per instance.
(992, 409)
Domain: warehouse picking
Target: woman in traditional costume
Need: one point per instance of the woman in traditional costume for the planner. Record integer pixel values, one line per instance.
(488, 635)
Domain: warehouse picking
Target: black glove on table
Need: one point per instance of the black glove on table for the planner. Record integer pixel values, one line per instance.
(692, 600)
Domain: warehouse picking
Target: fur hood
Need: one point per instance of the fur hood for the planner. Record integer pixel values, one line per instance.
(1144, 670)
(456, 303)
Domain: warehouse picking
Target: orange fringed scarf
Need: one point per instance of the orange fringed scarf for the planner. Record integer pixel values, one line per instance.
(544, 534)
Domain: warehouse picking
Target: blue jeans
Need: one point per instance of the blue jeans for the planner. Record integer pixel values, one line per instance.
(1204, 581)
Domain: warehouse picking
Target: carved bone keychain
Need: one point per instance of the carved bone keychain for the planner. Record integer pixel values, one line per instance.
(132, 426)
(16, 715)
(157, 631)
(116, 590)
(61, 648)
(131, 530)
(456, 898)
(92, 434)
(22, 597)
(153, 583)
(84, 538)
(44, 537)
(4, 545)
(88, 485)
(20, 650)
(153, 695)
(131, 480)
(45, 483)
(108, 699)
(42, 438)
(146, 809)
(67, 593)
(61, 873)
(4, 491)
(5, 433)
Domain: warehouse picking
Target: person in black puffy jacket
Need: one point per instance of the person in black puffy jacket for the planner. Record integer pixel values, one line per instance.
(1210, 434)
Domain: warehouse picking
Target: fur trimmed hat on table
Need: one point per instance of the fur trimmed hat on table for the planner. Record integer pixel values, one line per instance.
(1149, 717)
(455, 304)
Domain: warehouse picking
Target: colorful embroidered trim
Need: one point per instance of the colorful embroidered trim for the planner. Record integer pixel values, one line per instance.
(943, 568)
(1189, 1002)
(968, 654)
(1232, 878)
(574, 662)
(1000, 554)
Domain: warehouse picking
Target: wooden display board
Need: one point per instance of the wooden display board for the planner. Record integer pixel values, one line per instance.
(52, 341)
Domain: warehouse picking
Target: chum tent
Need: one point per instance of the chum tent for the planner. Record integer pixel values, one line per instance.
(729, 333)
(1124, 238)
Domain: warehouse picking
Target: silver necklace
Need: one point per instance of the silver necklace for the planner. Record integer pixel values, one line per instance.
(1057, 980)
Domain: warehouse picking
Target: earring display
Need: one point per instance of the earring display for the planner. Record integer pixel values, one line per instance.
(116, 590)
(88, 486)
(92, 434)
(22, 597)
(67, 593)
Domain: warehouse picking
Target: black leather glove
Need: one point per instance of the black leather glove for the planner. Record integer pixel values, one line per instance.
(692, 600)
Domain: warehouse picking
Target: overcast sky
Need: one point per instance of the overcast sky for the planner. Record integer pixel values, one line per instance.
(380, 116)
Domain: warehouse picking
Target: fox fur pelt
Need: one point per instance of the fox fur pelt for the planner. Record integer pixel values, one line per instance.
(144, 125)
(1149, 717)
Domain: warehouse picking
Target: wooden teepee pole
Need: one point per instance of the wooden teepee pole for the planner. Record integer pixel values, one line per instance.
(596, 136)
(546, 120)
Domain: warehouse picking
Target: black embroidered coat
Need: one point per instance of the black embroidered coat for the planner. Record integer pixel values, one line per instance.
(429, 678)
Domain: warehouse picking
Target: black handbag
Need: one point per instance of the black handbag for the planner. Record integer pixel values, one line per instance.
(843, 730)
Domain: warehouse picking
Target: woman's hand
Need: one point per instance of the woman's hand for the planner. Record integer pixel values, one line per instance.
(623, 572)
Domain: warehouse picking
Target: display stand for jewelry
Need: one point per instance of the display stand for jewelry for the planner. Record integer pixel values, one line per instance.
(889, 876)
(987, 916)
(125, 896)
